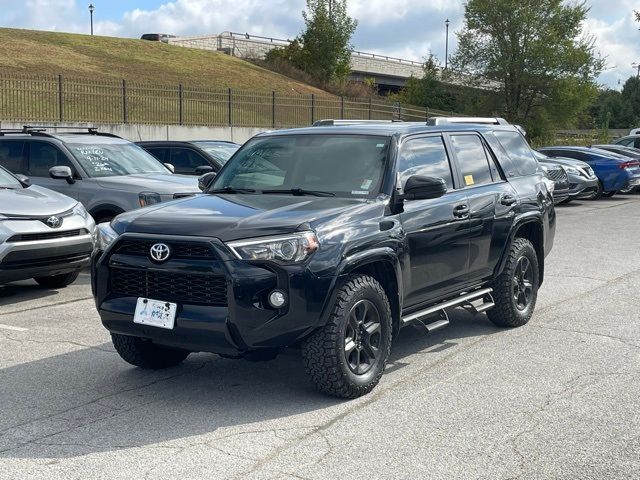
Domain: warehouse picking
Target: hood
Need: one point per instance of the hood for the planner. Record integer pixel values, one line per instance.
(34, 202)
(233, 217)
(163, 183)
(569, 162)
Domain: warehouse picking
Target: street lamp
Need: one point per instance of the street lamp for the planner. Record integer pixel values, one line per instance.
(446, 48)
(637, 66)
(91, 9)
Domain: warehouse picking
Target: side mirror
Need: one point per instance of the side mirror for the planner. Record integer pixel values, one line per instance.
(205, 181)
(62, 173)
(204, 169)
(171, 168)
(424, 188)
(24, 180)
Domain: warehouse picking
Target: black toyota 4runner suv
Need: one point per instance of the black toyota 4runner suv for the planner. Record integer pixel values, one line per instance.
(331, 238)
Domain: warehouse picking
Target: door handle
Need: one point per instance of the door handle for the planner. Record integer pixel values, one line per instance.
(508, 200)
(461, 211)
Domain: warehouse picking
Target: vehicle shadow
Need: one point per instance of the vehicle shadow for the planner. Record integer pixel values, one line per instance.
(26, 291)
(90, 401)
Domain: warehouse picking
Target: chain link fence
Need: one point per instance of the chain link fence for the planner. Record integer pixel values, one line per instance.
(58, 98)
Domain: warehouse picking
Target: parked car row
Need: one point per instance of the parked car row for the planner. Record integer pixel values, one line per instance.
(54, 188)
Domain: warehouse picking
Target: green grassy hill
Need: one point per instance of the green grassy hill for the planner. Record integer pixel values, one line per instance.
(105, 58)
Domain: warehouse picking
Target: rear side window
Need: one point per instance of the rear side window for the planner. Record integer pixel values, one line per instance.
(43, 156)
(159, 153)
(519, 151)
(11, 156)
(472, 160)
(426, 157)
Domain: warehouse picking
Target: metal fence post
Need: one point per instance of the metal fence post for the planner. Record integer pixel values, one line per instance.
(60, 98)
(313, 107)
(230, 106)
(273, 109)
(369, 108)
(125, 113)
(342, 108)
(180, 105)
(426, 114)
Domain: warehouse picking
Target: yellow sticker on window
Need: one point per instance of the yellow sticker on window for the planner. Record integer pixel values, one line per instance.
(468, 180)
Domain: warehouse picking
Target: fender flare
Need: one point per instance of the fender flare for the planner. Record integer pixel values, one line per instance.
(106, 207)
(527, 218)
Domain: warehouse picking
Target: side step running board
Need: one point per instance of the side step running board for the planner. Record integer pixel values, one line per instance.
(477, 301)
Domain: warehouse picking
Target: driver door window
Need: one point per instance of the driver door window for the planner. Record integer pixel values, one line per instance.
(186, 161)
(43, 156)
(426, 157)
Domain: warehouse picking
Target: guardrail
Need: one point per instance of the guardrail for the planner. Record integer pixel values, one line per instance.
(66, 99)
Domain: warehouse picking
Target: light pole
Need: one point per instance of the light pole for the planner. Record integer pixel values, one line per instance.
(637, 66)
(91, 9)
(446, 45)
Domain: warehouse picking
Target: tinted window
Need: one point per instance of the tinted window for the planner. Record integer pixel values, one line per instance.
(185, 160)
(472, 159)
(11, 156)
(347, 165)
(159, 153)
(519, 151)
(426, 157)
(113, 159)
(43, 156)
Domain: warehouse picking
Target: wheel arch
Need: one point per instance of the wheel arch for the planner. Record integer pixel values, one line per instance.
(105, 209)
(533, 230)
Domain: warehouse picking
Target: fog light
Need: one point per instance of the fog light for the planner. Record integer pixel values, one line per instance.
(277, 298)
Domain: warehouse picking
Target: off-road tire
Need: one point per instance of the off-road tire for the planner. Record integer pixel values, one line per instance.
(324, 352)
(58, 281)
(145, 354)
(506, 313)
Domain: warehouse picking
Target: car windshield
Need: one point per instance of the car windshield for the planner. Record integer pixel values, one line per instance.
(8, 181)
(221, 152)
(115, 159)
(337, 165)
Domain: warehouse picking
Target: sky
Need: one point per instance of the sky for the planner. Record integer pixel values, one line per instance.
(402, 28)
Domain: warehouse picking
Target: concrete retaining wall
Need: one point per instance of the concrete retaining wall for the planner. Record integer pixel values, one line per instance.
(139, 132)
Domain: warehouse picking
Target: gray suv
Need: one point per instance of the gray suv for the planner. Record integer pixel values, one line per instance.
(107, 174)
(43, 235)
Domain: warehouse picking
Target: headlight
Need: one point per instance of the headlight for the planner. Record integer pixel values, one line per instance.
(149, 198)
(105, 236)
(80, 211)
(292, 248)
(572, 170)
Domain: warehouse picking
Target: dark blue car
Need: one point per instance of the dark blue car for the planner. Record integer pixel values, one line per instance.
(615, 172)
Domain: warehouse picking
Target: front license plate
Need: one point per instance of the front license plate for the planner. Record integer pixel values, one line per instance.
(155, 313)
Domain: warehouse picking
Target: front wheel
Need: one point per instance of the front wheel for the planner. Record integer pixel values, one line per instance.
(145, 354)
(598, 193)
(515, 291)
(346, 357)
(58, 281)
(608, 194)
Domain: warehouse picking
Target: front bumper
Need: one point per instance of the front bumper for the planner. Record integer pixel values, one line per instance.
(581, 187)
(222, 301)
(31, 249)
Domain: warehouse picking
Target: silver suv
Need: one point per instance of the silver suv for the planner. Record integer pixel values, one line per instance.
(107, 174)
(43, 235)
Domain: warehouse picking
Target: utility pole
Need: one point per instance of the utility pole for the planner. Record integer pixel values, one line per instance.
(637, 67)
(446, 45)
(91, 9)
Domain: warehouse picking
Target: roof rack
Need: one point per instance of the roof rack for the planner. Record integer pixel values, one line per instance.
(42, 131)
(331, 122)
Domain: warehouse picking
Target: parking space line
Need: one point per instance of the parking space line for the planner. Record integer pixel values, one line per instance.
(11, 327)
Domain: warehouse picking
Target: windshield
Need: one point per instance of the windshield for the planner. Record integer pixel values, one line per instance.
(342, 165)
(7, 180)
(114, 159)
(221, 152)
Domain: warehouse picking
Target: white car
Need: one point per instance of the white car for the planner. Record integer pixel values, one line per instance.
(635, 131)
(44, 235)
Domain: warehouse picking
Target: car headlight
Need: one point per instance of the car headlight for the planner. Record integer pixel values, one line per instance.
(294, 248)
(572, 170)
(105, 236)
(149, 198)
(80, 211)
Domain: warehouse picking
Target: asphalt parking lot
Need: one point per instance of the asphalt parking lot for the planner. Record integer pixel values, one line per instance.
(555, 399)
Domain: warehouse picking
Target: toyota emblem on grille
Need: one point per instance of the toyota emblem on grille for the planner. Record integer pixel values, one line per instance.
(160, 252)
(54, 222)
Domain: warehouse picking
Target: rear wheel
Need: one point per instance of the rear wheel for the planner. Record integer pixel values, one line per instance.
(146, 354)
(346, 358)
(58, 281)
(515, 291)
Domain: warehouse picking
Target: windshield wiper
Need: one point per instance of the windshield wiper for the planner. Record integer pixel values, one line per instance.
(228, 189)
(299, 192)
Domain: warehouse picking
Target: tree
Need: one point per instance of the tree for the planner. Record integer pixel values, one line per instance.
(428, 91)
(536, 51)
(323, 50)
